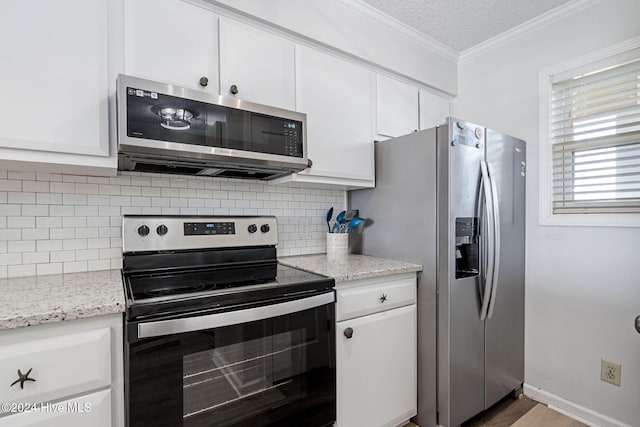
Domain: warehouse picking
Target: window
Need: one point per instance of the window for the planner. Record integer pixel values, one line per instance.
(590, 113)
(595, 136)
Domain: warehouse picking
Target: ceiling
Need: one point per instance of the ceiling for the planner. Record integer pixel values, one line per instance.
(462, 24)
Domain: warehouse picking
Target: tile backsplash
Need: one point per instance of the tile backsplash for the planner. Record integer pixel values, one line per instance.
(55, 223)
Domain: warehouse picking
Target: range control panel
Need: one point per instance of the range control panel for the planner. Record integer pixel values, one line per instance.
(142, 233)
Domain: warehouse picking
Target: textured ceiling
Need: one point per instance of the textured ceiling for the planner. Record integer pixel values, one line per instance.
(461, 24)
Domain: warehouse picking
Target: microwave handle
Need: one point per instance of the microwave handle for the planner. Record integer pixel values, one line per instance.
(218, 320)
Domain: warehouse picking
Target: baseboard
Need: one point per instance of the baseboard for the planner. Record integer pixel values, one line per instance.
(570, 409)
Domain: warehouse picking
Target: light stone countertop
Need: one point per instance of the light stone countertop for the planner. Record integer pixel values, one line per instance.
(353, 267)
(28, 301)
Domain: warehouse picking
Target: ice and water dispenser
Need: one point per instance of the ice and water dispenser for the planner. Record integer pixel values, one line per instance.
(467, 250)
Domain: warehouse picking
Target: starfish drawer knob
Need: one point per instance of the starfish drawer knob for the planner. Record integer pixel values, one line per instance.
(22, 378)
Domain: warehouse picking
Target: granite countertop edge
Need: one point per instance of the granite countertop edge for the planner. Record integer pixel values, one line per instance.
(354, 267)
(36, 300)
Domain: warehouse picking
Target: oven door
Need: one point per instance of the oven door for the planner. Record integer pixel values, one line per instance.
(264, 365)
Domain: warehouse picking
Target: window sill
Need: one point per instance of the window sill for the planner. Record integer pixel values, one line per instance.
(591, 220)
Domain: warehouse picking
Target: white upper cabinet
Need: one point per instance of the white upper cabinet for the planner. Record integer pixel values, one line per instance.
(172, 41)
(337, 97)
(55, 82)
(396, 107)
(256, 66)
(433, 109)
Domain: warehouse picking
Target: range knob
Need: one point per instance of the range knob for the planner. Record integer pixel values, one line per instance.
(143, 230)
(252, 228)
(264, 228)
(161, 230)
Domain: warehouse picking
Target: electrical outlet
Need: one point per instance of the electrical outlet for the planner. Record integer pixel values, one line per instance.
(610, 372)
(304, 228)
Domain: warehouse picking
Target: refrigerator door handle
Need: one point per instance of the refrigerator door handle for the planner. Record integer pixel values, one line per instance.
(496, 239)
(488, 277)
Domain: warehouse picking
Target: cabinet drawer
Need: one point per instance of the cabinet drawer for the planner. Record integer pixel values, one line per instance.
(368, 299)
(91, 410)
(61, 366)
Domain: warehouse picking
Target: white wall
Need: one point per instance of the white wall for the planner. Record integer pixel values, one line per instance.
(582, 283)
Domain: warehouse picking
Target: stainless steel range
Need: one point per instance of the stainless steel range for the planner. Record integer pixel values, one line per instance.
(218, 333)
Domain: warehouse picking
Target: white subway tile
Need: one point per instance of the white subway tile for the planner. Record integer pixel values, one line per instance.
(109, 190)
(140, 201)
(98, 243)
(51, 268)
(10, 258)
(131, 191)
(52, 177)
(109, 211)
(61, 210)
(63, 256)
(110, 253)
(49, 222)
(109, 232)
(211, 203)
(48, 245)
(35, 210)
(74, 178)
(120, 200)
(170, 211)
(188, 211)
(249, 196)
(204, 194)
(94, 199)
(87, 232)
(30, 176)
(74, 199)
(21, 221)
(143, 181)
(131, 210)
(197, 184)
(170, 192)
(195, 203)
(151, 210)
(152, 191)
(74, 244)
(97, 180)
(62, 187)
(188, 192)
(74, 266)
(87, 254)
(221, 211)
(87, 189)
(178, 202)
(116, 263)
(35, 257)
(35, 186)
(10, 210)
(116, 242)
(211, 184)
(178, 183)
(62, 233)
(21, 270)
(157, 181)
(3, 246)
(10, 185)
(74, 221)
(49, 198)
(120, 180)
(99, 264)
(99, 221)
(21, 246)
(86, 210)
(35, 233)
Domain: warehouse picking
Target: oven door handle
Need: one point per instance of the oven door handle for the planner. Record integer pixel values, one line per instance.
(218, 320)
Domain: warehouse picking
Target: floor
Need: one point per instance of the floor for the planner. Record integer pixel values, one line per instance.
(508, 411)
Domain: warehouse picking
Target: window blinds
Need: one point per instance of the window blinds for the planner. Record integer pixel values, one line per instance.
(595, 136)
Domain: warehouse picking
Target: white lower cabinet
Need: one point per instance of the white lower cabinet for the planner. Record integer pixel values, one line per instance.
(63, 374)
(376, 354)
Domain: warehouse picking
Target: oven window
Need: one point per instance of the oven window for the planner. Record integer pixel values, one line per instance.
(279, 371)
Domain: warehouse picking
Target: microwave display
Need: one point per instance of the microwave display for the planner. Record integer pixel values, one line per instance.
(155, 116)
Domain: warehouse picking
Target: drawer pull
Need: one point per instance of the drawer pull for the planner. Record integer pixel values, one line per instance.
(234, 89)
(22, 378)
(383, 298)
(348, 333)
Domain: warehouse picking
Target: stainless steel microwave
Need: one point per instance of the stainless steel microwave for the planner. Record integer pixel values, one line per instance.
(170, 129)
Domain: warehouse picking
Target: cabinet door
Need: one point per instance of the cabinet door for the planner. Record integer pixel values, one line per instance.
(89, 410)
(433, 109)
(260, 65)
(171, 41)
(376, 369)
(396, 107)
(337, 97)
(54, 77)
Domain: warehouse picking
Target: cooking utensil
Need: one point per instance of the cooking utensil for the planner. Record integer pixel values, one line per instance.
(329, 215)
(340, 217)
(355, 221)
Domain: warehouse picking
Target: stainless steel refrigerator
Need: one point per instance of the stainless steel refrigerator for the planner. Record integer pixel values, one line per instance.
(452, 198)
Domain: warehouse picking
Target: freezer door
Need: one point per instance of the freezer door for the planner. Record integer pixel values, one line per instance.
(504, 332)
(460, 330)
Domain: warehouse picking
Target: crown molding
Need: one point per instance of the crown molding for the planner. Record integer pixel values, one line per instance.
(526, 27)
(373, 14)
